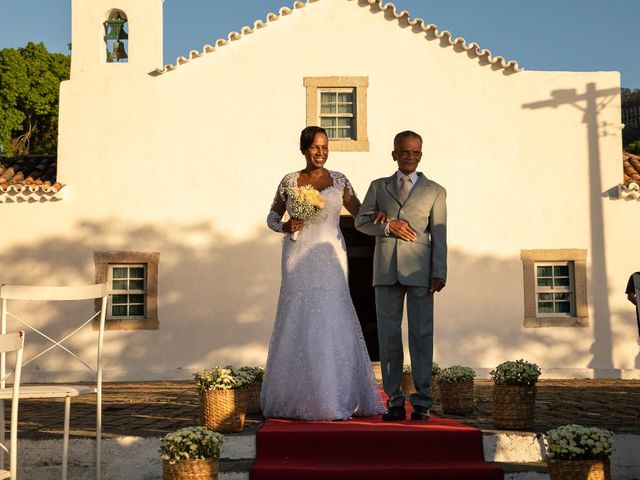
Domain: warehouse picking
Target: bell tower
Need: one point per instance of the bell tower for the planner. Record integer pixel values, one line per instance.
(115, 36)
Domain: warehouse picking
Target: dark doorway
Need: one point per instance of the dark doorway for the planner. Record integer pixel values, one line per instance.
(360, 258)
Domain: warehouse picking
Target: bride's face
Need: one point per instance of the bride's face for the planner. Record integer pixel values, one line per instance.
(317, 154)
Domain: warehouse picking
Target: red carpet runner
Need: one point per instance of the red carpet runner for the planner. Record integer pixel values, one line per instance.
(369, 449)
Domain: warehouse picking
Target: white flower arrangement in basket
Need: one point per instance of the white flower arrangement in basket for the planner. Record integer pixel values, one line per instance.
(456, 374)
(256, 373)
(577, 442)
(519, 372)
(223, 378)
(255, 387)
(455, 386)
(435, 369)
(191, 443)
(224, 397)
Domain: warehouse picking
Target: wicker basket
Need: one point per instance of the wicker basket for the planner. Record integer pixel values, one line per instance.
(456, 398)
(204, 469)
(223, 410)
(408, 387)
(244, 398)
(514, 406)
(407, 384)
(435, 390)
(579, 469)
(253, 397)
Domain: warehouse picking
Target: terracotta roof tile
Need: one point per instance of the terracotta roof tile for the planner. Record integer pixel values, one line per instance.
(631, 166)
(630, 188)
(430, 30)
(31, 178)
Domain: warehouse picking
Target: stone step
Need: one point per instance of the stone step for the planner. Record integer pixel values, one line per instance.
(520, 454)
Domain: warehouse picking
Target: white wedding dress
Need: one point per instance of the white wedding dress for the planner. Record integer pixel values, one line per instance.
(318, 367)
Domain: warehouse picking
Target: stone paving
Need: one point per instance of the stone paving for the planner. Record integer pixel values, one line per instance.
(152, 409)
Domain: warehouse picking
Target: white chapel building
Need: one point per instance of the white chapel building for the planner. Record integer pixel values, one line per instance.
(166, 172)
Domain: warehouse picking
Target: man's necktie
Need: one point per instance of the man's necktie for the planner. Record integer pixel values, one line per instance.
(404, 189)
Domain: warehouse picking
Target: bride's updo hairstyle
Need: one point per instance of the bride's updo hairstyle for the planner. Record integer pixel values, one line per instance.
(308, 135)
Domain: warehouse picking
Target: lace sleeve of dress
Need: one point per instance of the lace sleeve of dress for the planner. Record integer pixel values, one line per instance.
(349, 197)
(278, 207)
(349, 188)
(274, 221)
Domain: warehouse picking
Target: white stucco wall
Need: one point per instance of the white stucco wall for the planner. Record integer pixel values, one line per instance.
(186, 164)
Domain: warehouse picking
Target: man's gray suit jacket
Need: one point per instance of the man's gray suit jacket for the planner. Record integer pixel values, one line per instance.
(396, 260)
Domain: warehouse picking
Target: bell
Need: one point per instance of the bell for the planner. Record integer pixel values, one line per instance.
(118, 52)
(115, 30)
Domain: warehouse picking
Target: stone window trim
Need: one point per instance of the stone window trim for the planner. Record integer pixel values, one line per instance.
(579, 259)
(103, 260)
(360, 84)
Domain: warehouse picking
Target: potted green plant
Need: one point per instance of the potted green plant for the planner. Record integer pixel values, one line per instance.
(255, 387)
(407, 380)
(223, 397)
(455, 385)
(191, 453)
(514, 394)
(576, 452)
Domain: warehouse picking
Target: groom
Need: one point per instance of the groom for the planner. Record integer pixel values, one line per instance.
(410, 260)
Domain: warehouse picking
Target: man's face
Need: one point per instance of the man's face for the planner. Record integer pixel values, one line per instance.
(408, 154)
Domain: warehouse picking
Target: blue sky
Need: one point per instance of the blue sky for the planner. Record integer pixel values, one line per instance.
(575, 35)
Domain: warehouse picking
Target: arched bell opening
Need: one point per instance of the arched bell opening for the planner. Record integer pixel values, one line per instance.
(116, 37)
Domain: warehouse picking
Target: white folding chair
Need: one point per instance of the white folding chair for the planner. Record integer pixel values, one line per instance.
(10, 342)
(57, 391)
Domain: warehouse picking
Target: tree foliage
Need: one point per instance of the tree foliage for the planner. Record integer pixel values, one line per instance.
(633, 147)
(29, 95)
(630, 134)
(630, 98)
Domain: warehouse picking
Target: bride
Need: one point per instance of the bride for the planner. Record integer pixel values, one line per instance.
(318, 367)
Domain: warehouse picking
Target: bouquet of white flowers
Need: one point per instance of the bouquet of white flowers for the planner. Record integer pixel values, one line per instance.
(191, 443)
(576, 442)
(306, 204)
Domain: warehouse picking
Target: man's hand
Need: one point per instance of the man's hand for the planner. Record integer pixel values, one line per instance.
(436, 285)
(379, 217)
(401, 229)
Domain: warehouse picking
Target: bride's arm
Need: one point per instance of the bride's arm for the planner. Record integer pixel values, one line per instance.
(278, 207)
(352, 204)
(274, 219)
(350, 199)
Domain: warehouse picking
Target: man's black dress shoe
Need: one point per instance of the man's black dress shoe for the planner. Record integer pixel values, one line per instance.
(395, 414)
(420, 413)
